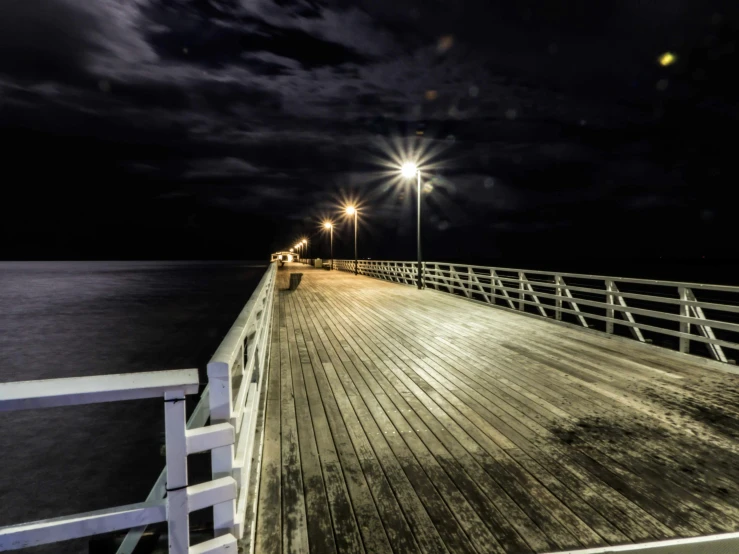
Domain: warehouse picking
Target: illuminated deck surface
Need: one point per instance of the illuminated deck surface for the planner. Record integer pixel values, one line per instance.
(400, 420)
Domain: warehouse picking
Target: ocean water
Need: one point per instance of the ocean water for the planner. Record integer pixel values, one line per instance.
(70, 319)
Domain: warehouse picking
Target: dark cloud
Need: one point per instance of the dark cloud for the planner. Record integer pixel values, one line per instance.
(541, 116)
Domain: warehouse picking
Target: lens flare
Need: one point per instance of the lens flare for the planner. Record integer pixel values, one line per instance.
(409, 170)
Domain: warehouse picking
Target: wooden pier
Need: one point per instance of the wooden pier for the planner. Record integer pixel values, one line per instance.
(400, 420)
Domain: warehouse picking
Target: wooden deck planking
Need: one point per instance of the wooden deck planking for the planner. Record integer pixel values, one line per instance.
(540, 429)
(706, 528)
(413, 421)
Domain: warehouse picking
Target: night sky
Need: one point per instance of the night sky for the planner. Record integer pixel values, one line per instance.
(187, 129)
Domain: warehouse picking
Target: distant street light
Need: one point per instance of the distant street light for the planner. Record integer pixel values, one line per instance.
(305, 243)
(297, 247)
(330, 226)
(351, 210)
(410, 170)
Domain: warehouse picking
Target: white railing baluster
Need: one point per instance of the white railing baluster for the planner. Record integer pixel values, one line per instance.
(521, 289)
(505, 292)
(572, 303)
(533, 295)
(460, 282)
(558, 301)
(178, 525)
(684, 325)
(635, 331)
(610, 312)
(221, 410)
(473, 277)
(716, 351)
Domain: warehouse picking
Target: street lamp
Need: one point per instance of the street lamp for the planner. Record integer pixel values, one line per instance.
(330, 226)
(351, 210)
(297, 247)
(410, 170)
(305, 244)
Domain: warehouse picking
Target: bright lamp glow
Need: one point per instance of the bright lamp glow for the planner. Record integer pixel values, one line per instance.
(668, 58)
(305, 241)
(327, 225)
(409, 170)
(350, 210)
(298, 245)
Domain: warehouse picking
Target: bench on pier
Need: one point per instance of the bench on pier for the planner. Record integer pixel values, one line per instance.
(295, 280)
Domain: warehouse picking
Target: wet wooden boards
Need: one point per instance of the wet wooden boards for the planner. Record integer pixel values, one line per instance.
(400, 420)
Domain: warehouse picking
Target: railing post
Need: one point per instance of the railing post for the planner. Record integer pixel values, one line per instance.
(558, 302)
(222, 458)
(521, 288)
(610, 313)
(684, 325)
(176, 454)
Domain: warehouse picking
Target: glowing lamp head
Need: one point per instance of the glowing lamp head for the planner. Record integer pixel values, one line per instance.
(409, 170)
(327, 225)
(305, 241)
(298, 245)
(350, 210)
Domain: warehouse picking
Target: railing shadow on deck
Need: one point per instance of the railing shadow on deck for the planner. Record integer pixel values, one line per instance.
(688, 317)
(230, 401)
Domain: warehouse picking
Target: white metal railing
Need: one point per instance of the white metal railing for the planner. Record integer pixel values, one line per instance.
(172, 386)
(235, 376)
(238, 366)
(682, 312)
(231, 402)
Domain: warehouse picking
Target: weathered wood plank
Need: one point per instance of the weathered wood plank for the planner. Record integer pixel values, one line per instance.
(546, 505)
(346, 530)
(268, 535)
(294, 519)
(675, 493)
(398, 402)
(410, 450)
(320, 527)
(363, 469)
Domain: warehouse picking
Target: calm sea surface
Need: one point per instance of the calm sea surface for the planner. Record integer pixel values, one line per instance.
(70, 319)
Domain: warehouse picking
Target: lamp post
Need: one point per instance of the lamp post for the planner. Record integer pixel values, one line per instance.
(305, 245)
(410, 170)
(330, 226)
(351, 210)
(297, 247)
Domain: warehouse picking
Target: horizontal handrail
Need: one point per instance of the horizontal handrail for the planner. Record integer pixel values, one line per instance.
(230, 439)
(25, 535)
(172, 386)
(217, 404)
(651, 313)
(236, 376)
(637, 281)
(228, 349)
(592, 301)
(51, 393)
